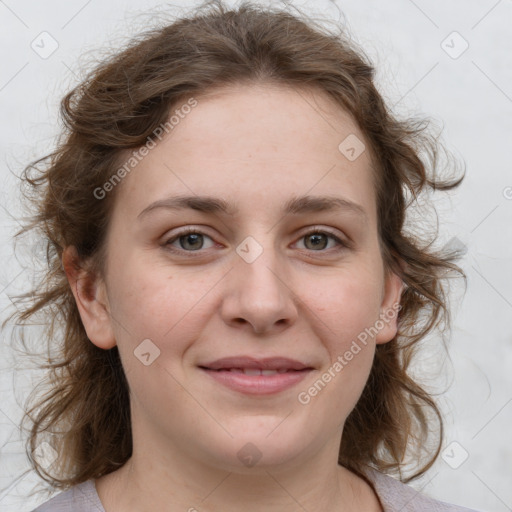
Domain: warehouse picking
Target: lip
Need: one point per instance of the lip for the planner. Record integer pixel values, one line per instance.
(293, 373)
(268, 363)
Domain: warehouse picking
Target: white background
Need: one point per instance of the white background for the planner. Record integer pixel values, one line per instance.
(471, 96)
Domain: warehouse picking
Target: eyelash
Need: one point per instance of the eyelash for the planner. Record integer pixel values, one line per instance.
(315, 231)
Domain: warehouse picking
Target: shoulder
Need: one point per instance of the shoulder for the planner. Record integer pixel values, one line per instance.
(79, 498)
(396, 495)
(393, 494)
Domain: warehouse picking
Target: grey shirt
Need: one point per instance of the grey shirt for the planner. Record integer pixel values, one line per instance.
(394, 495)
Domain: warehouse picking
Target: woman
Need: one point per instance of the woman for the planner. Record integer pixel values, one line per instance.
(239, 297)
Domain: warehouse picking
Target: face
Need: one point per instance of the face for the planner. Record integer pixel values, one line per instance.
(262, 269)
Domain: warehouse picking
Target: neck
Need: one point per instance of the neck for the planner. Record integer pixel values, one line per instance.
(148, 484)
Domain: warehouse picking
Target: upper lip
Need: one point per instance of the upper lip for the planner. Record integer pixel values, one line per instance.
(269, 363)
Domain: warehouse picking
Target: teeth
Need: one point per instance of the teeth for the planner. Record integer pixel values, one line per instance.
(252, 371)
(256, 371)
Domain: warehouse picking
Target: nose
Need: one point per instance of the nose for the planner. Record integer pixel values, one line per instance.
(258, 295)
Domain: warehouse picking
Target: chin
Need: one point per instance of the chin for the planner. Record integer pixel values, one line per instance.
(261, 448)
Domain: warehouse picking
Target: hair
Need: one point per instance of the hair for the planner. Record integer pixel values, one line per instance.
(85, 414)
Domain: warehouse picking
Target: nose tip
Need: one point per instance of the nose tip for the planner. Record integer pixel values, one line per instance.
(257, 295)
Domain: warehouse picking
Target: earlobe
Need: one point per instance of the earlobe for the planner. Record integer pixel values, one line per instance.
(390, 306)
(91, 299)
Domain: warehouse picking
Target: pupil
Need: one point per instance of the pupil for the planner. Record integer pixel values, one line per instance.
(194, 237)
(317, 237)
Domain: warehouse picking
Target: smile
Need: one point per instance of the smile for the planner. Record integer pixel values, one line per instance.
(255, 371)
(255, 381)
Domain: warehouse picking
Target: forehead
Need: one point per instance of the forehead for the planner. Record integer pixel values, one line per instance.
(254, 144)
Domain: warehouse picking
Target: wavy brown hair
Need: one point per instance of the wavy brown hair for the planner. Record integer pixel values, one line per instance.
(85, 413)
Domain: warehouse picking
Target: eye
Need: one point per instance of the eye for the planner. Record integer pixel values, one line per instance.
(318, 240)
(192, 240)
(189, 240)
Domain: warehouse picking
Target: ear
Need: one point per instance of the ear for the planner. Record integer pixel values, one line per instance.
(390, 307)
(91, 299)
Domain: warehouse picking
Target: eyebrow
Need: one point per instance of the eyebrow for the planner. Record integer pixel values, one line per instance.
(296, 205)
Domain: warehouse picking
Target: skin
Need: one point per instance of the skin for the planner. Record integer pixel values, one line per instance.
(255, 146)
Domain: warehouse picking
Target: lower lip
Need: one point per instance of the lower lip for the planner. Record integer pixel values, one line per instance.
(258, 384)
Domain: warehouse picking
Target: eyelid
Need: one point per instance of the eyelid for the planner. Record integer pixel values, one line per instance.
(183, 232)
(342, 241)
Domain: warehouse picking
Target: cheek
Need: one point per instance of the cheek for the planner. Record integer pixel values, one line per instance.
(143, 305)
(149, 301)
(347, 304)
(345, 313)
(138, 292)
(155, 318)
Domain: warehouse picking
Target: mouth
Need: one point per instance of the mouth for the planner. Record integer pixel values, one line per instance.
(257, 376)
(253, 371)
(243, 363)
